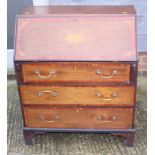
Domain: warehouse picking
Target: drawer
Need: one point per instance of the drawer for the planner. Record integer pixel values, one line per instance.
(77, 95)
(75, 72)
(99, 118)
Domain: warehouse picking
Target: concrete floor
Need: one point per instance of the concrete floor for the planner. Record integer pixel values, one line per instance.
(75, 143)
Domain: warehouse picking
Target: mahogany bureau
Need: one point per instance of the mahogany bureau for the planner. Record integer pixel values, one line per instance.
(76, 69)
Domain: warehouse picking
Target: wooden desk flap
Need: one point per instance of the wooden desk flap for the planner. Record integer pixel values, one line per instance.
(81, 37)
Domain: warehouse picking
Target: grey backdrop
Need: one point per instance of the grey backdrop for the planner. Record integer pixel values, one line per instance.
(15, 5)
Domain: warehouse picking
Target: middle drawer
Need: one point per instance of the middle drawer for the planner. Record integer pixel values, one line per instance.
(77, 95)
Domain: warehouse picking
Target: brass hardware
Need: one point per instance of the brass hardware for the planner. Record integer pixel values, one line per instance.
(101, 118)
(114, 72)
(101, 96)
(41, 93)
(44, 76)
(43, 118)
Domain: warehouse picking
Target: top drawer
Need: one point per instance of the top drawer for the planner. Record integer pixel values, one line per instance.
(98, 72)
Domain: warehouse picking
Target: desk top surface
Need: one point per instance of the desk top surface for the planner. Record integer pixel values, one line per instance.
(76, 9)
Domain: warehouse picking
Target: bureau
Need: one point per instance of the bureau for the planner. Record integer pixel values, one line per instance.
(76, 69)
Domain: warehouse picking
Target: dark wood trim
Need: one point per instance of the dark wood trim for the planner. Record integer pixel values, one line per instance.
(74, 106)
(133, 71)
(135, 79)
(29, 137)
(78, 83)
(132, 68)
(21, 105)
(18, 72)
(81, 84)
(78, 130)
(128, 134)
(129, 138)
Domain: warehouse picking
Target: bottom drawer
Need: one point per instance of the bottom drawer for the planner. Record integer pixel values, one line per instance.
(97, 118)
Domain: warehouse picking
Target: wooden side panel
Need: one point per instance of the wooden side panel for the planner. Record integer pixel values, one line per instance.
(76, 38)
(94, 118)
(79, 95)
(76, 72)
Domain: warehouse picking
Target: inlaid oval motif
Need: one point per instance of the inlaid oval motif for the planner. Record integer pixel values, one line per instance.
(74, 38)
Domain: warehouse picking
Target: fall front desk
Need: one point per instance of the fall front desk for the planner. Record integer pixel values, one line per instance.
(76, 69)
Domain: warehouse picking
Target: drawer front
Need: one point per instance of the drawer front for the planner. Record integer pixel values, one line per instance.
(99, 118)
(75, 72)
(77, 95)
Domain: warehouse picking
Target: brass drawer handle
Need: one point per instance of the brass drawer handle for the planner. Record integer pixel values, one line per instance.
(102, 118)
(41, 93)
(101, 96)
(114, 72)
(44, 76)
(55, 118)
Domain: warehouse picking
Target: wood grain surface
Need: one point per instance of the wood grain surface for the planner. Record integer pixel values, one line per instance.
(75, 9)
(75, 72)
(76, 37)
(77, 95)
(107, 118)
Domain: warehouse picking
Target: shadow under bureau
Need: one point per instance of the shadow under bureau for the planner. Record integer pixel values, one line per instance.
(76, 69)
